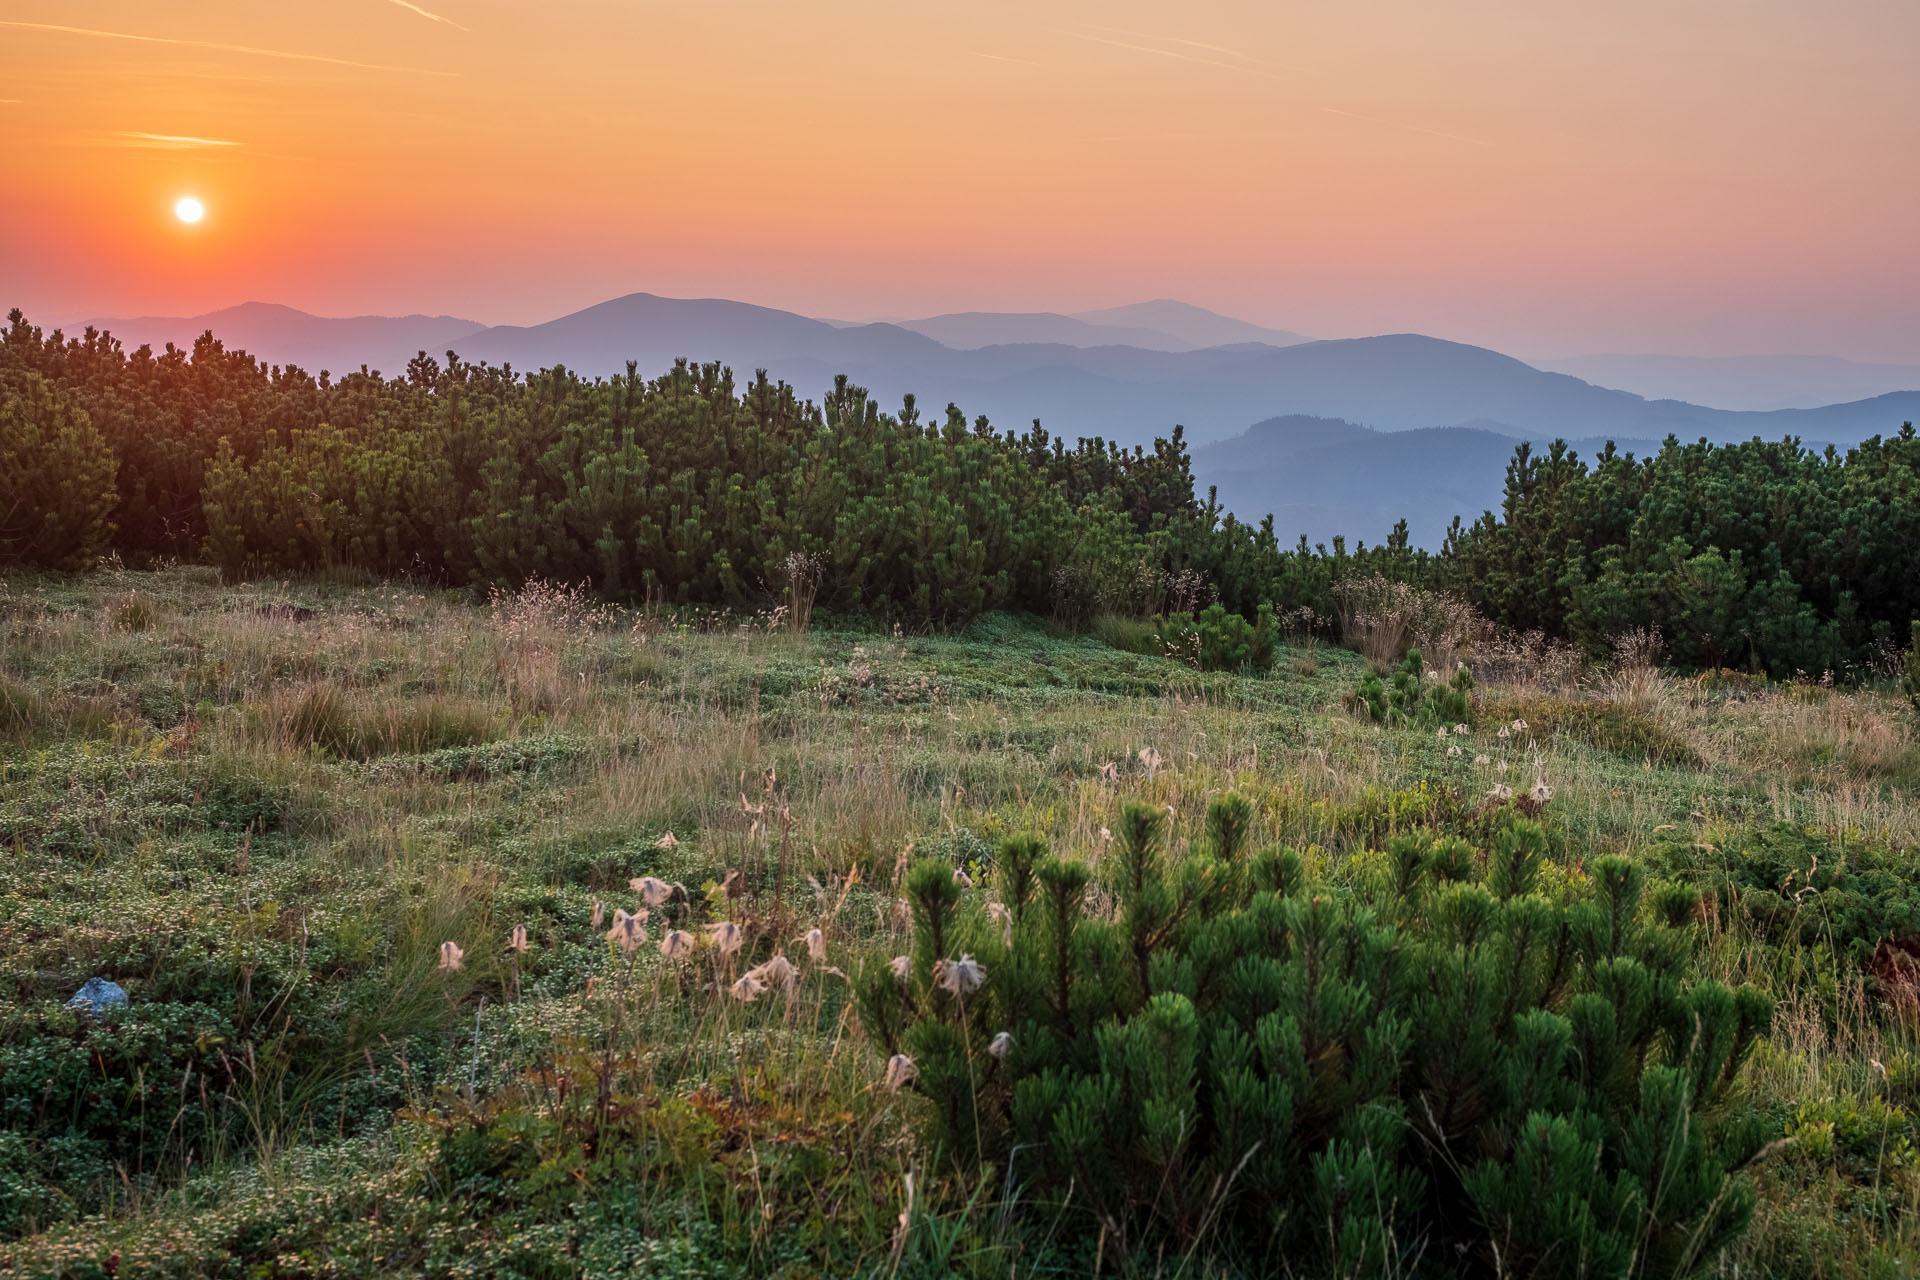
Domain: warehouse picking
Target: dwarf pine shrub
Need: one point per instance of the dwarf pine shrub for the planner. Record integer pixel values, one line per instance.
(1215, 639)
(1434, 1065)
(1412, 695)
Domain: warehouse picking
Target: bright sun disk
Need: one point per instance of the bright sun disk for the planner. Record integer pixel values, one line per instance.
(189, 209)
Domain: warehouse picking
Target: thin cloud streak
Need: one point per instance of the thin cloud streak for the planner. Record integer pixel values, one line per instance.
(219, 48)
(1001, 57)
(1160, 53)
(407, 4)
(1243, 63)
(171, 141)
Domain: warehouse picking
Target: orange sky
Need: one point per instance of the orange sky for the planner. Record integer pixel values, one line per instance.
(1547, 177)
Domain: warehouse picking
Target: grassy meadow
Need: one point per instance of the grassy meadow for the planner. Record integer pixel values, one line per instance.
(264, 809)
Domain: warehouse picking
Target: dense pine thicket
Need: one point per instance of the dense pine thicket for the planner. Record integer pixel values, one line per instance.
(1438, 1068)
(691, 488)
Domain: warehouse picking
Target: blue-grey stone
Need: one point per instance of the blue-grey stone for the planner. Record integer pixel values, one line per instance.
(98, 996)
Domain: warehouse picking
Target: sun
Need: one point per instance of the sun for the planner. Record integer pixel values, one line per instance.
(189, 210)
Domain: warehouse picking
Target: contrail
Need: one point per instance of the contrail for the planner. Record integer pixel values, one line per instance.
(1158, 53)
(220, 48)
(172, 141)
(407, 4)
(1001, 57)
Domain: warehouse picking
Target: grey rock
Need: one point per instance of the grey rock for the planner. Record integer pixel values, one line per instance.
(97, 996)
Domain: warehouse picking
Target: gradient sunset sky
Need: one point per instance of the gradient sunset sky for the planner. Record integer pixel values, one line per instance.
(1689, 176)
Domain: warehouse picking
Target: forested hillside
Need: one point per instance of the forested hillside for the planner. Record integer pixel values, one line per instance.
(692, 487)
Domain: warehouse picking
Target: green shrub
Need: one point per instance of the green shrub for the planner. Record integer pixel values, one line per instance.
(1412, 695)
(1802, 888)
(81, 1097)
(1215, 639)
(56, 478)
(1241, 1060)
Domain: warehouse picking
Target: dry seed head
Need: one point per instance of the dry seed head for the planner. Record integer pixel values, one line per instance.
(1150, 758)
(1460, 730)
(749, 987)
(816, 944)
(1001, 1045)
(652, 890)
(961, 878)
(451, 956)
(778, 971)
(627, 930)
(900, 1070)
(900, 966)
(676, 944)
(669, 842)
(517, 940)
(998, 913)
(599, 914)
(962, 977)
(726, 935)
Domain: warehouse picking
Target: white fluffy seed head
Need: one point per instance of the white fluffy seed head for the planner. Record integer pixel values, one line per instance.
(629, 931)
(962, 977)
(652, 890)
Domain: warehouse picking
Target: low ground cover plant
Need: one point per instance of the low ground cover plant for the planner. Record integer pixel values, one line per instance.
(1496, 987)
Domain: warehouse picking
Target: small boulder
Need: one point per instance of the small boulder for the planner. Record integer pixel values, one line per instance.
(97, 996)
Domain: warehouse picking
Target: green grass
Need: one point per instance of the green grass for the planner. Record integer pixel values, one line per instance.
(264, 824)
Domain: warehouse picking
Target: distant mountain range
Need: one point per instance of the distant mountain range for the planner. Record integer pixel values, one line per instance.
(1326, 477)
(1161, 325)
(283, 335)
(1352, 432)
(1742, 382)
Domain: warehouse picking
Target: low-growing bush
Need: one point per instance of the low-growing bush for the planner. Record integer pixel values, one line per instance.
(1802, 888)
(1215, 639)
(82, 1097)
(1412, 694)
(1427, 1065)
